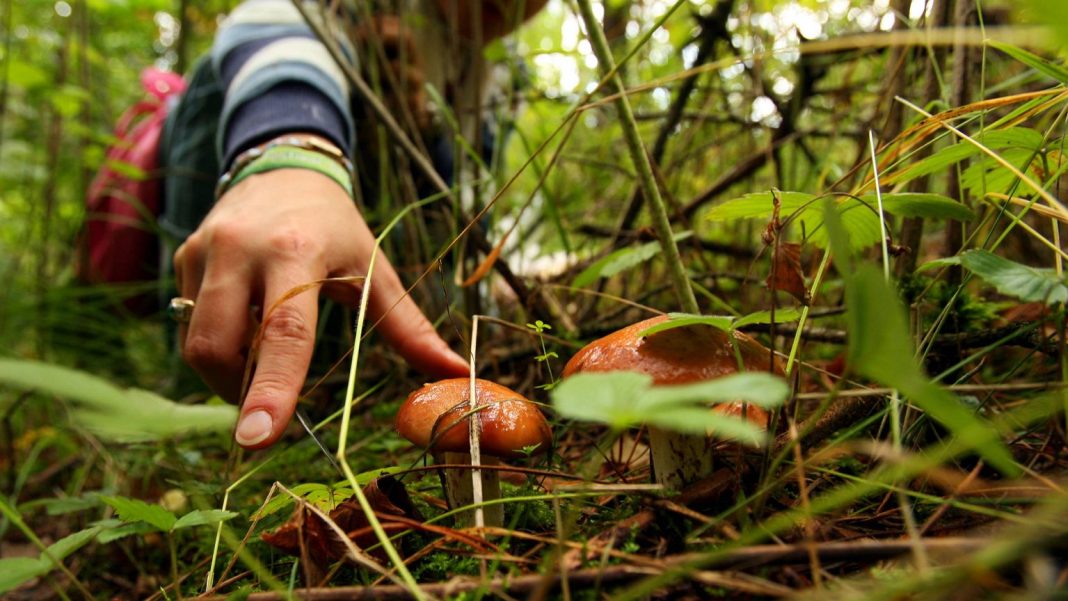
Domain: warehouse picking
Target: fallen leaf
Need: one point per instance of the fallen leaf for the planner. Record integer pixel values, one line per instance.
(306, 535)
(484, 268)
(786, 274)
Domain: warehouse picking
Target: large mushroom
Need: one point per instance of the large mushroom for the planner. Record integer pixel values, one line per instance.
(435, 417)
(679, 355)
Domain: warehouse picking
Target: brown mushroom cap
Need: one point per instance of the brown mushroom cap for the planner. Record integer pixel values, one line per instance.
(507, 426)
(436, 412)
(677, 356)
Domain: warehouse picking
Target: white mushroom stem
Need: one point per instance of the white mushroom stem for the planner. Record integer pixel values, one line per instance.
(679, 459)
(459, 491)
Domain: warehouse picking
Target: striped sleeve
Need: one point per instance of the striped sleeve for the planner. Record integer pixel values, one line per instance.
(278, 78)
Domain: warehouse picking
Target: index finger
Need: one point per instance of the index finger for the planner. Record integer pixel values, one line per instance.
(285, 350)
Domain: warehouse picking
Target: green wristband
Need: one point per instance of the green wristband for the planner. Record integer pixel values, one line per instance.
(289, 157)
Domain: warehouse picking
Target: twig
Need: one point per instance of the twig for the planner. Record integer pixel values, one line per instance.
(641, 160)
(713, 29)
(744, 558)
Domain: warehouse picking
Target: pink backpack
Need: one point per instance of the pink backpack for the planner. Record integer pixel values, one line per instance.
(119, 242)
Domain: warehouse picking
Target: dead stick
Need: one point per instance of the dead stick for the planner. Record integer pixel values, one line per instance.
(746, 557)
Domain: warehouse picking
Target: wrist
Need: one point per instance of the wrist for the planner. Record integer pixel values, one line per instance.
(291, 151)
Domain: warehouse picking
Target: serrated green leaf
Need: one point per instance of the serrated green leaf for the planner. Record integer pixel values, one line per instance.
(122, 415)
(14, 571)
(202, 517)
(880, 348)
(1014, 279)
(758, 204)
(621, 260)
(626, 399)
(1049, 69)
(114, 534)
(136, 510)
(859, 215)
(71, 504)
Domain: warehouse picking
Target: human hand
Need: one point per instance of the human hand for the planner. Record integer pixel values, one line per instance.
(270, 233)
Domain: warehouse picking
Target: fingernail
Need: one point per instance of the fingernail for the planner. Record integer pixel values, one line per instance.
(254, 428)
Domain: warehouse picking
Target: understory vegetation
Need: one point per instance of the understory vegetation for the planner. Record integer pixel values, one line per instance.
(874, 191)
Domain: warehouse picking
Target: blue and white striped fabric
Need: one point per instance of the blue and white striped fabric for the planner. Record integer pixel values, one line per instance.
(265, 46)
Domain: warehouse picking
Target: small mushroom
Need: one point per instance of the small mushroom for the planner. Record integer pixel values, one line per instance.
(678, 356)
(435, 417)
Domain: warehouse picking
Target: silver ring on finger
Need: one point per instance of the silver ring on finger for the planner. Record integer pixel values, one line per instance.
(180, 309)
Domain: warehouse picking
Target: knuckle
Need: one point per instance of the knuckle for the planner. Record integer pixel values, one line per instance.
(288, 243)
(187, 251)
(286, 325)
(203, 352)
(229, 235)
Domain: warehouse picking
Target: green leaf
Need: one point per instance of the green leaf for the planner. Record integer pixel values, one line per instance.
(721, 322)
(114, 534)
(26, 75)
(880, 348)
(625, 399)
(754, 387)
(939, 263)
(1014, 279)
(998, 139)
(758, 204)
(68, 99)
(681, 320)
(929, 206)
(323, 496)
(15, 571)
(201, 517)
(859, 215)
(764, 317)
(71, 504)
(136, 510)
(126, 170)
(621, 260)
(1049, 69)
(122, 415)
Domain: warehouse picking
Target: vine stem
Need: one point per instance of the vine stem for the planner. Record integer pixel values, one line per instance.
(640, 158)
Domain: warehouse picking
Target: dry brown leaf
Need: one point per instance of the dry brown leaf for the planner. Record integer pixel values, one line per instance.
(307, 536)
(786, 274)
(484, 268)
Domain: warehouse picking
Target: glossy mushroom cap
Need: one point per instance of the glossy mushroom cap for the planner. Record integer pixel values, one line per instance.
(677, 356)
(437, 411)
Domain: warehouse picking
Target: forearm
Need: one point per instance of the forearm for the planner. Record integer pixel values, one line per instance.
(278, 78)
